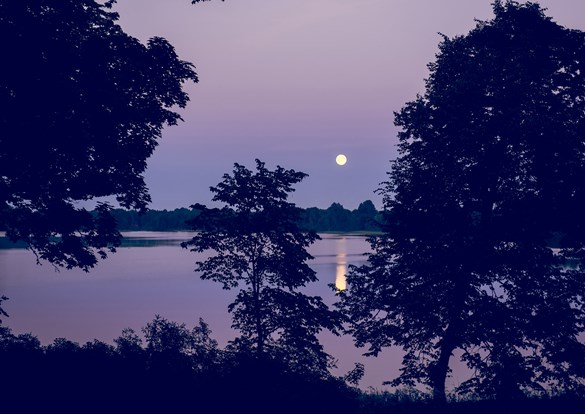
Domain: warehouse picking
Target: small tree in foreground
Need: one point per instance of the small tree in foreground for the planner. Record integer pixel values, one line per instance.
(261, 251)
(490, 175)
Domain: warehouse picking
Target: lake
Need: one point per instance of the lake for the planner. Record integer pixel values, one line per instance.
(150, 274)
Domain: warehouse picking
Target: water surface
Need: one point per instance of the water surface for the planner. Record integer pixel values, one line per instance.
(150, 274)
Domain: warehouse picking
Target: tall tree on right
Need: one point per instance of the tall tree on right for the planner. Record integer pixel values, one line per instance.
(488, 180)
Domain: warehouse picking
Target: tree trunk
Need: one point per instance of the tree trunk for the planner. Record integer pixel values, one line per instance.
(260, 336)
(257, 314)
(440, 370)
(451, 337)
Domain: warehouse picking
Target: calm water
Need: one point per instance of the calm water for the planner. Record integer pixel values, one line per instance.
(152, 275)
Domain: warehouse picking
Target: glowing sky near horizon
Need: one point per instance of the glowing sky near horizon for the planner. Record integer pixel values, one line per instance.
(296, 82)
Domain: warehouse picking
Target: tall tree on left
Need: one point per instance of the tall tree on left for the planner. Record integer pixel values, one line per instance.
(83, 105)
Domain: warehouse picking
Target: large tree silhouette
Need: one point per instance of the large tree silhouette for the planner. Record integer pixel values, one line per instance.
(489, 176)
(83, 105)
(258, 248)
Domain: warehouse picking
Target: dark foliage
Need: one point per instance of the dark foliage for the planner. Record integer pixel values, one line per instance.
(83, 105)
(335, 218)
(97, 377)
(413, 402)
(2, 311)
(491, 169)
(258, 248)
(178, 370)
(154, 220)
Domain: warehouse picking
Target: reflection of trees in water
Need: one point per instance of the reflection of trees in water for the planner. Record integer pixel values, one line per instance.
(5, 242)
(572, 264)
(141, 242)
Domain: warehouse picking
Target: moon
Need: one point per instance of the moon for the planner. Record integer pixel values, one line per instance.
(341, 159)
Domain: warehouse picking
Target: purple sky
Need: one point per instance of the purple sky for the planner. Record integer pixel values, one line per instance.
(296, 82)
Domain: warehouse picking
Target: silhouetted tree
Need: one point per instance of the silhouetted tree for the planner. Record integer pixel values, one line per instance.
(129, 348)
(83, 105)
(338, 218)
(491, 167)
(334, 218)
(366, 215)
(2, 311)
(172, 346)
(260, 250)
(153, 220)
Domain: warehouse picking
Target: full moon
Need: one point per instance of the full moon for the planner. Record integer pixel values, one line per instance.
(341, 159)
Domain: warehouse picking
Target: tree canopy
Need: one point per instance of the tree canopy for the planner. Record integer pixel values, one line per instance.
(260, 250)
(83, 105)
(490, 167)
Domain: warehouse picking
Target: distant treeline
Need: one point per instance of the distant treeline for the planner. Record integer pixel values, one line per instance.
(333, 218)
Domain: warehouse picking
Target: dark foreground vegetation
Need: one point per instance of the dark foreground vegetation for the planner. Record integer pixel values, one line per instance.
(180, 370)
(177, 370)
(489, 170)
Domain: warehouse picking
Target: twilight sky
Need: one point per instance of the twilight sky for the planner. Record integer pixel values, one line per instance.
(296, 82)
